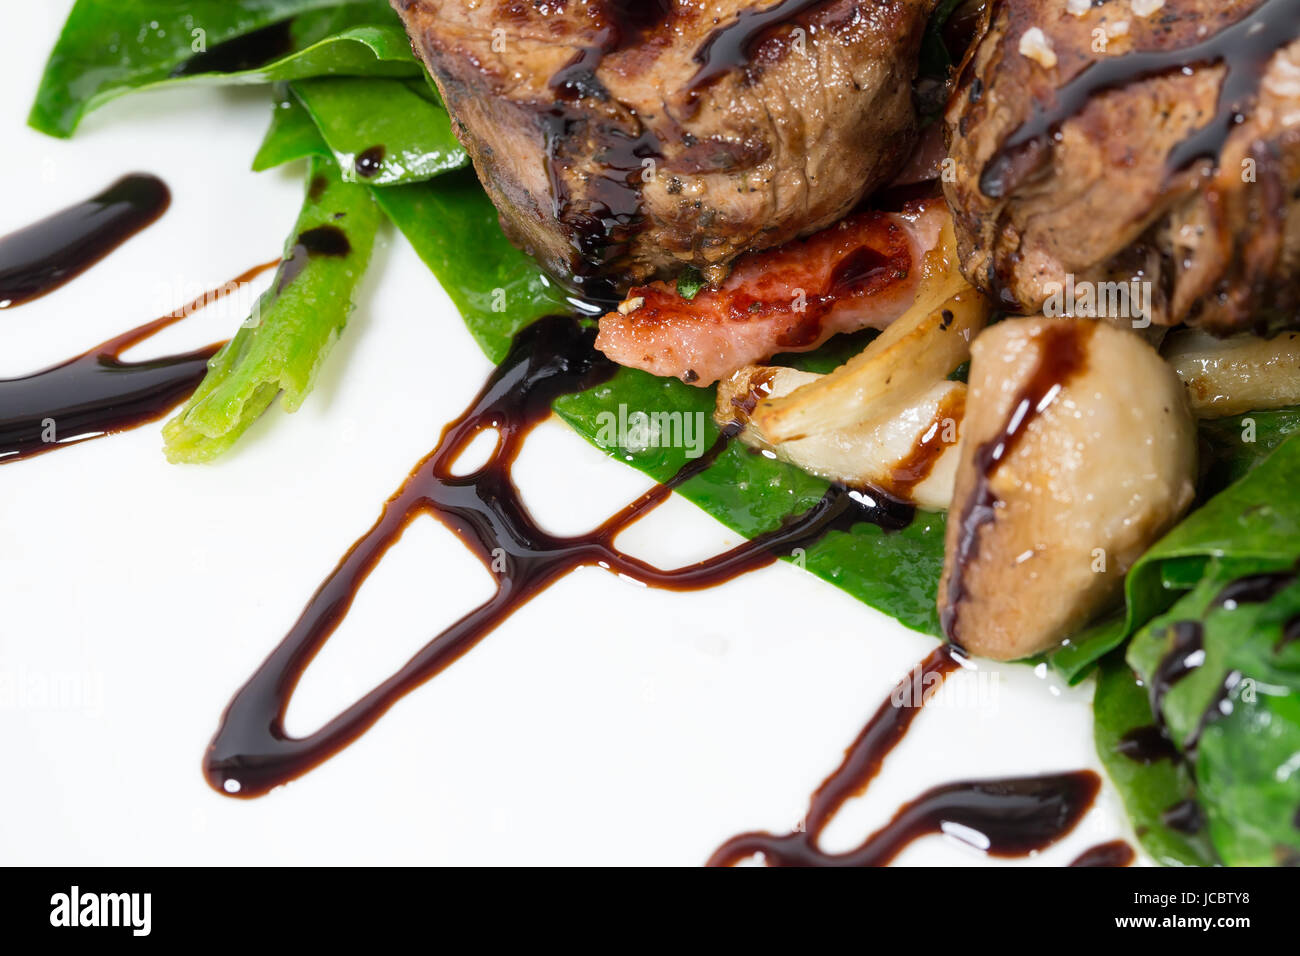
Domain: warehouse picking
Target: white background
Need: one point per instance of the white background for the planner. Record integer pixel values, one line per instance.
(604, 724)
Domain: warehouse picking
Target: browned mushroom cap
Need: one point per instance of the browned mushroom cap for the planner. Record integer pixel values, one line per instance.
(1078, 451)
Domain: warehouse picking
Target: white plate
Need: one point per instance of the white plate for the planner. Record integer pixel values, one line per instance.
(605, 724)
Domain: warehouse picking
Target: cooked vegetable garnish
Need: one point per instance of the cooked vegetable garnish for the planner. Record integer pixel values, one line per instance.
(1234, 375)
(108, 49)
(920, 347)
(382, 132)
(294, 325)
(1222, 669)
(1144, 767)
(909, 453)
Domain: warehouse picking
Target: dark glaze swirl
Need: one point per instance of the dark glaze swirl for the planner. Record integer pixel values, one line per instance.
(41, 257)
(1013, 816)
(251, 752)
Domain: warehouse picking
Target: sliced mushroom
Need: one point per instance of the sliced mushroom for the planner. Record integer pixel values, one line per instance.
(1079, 451)
(911, 454)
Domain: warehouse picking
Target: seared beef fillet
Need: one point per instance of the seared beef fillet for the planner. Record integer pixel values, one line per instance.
(1130, 163)
(622, 140)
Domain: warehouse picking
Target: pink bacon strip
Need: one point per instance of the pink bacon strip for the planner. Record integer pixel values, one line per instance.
(862, 272)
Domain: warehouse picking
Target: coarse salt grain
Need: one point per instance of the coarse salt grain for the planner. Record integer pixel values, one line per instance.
(1078, 7)
(1035, 45)
(1144, 8)
(1283, 77)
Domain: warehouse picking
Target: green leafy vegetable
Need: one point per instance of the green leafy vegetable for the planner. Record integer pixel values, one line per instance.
(292, 135)
(382, 131)
(690, 282)
(1236, 712)
(111, 47)
(1248, 521)
(936, 58)
(454, 229)
(295, 324)
(1147, 788)
(1233, 447)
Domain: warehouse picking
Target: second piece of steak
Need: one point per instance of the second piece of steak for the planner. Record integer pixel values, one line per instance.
(1134, 140)
(622, 140)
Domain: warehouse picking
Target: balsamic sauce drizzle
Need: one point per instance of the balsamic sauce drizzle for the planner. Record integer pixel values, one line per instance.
(1244, 48)
(915, 467)
(97, 393)
(602, 223)
(1186, 653)
(1062, 355)
(1012, 817)
(1254, 589)
(1147, 745)
(41, 257)
(1290, 634)
(251, 753)
(1114, 853)
(319, 241)
(1186, 816)
(370, 161)
(731, 46)
(1186, 650)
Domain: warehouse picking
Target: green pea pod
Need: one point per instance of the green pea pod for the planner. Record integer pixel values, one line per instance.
(294, 325)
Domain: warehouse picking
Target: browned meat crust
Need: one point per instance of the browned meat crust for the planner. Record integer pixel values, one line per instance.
(624, 139)
(1119, 188)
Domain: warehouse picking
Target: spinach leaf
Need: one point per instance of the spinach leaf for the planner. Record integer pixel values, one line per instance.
(454, 229)
(1148, 787)
(111, 47)
(1236, 712)
(1232, 447)
(1257, 517)
(382, 131)
(295, 324)
(292, 134)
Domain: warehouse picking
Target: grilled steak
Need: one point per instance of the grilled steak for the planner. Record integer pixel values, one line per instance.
(622, 140)
(1134, 139)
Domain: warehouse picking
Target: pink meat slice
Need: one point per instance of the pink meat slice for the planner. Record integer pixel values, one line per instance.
(862, 272)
